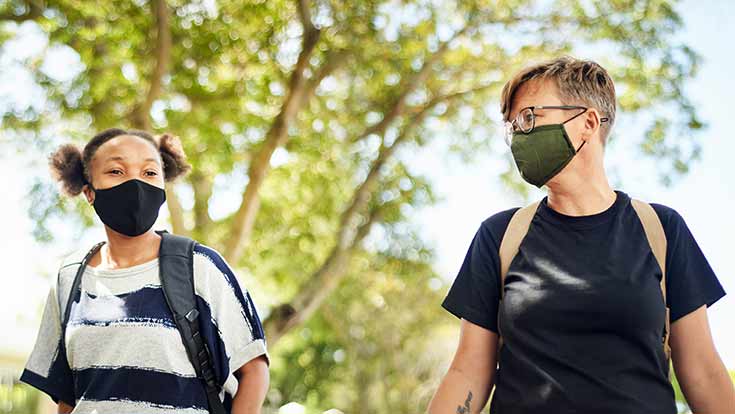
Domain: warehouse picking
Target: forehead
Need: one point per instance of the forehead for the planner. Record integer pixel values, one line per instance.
(129, 147)
(534, 93)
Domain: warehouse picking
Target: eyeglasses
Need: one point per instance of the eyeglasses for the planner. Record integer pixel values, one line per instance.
(525, 121)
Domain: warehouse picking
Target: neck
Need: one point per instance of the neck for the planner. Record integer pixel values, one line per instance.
(581, 191)
(122, 251)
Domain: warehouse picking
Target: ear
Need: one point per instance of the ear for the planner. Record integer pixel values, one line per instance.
(88, 193)
(591, 123)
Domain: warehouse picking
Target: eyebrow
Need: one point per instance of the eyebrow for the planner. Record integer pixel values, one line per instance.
(121, 158)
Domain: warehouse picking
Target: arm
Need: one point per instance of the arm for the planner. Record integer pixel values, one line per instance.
(253, 379)
(466, 387)
(64, 408)
(699, 369)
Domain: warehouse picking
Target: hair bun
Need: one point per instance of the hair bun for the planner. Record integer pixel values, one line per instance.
(173, 156)
(67, 168)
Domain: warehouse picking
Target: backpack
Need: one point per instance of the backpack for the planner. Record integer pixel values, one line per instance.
(176, 267)
(521, 221)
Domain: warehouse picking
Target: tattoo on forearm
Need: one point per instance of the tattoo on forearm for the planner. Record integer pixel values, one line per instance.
(466, 408)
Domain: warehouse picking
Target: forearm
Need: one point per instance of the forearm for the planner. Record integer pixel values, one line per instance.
(64, 408)
(711, 393)
(252, 388)
(460, 394)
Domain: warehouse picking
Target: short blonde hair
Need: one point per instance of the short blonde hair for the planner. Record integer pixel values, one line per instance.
(580, 82)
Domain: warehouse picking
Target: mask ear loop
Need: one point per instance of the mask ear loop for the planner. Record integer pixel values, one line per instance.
(605, 119)
(580, 147)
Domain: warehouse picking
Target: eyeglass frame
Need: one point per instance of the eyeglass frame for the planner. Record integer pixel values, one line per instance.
(508, 133)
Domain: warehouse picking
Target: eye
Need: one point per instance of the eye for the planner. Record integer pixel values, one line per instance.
(151, 173)
(115, 172)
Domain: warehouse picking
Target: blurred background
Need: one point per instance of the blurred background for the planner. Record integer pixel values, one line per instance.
(344, 154)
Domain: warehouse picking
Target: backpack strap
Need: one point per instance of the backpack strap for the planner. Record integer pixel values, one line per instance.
(74, 293)
(517, 229)
(512, 238)
(657, 240)
(176, 264)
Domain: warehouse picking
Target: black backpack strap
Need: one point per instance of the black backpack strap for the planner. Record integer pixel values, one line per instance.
(176, 264)
(74, 293)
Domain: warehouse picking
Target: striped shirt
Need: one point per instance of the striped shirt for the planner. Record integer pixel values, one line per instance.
(124, 353)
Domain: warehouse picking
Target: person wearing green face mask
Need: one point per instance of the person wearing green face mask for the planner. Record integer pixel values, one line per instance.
(542, 151)
(597, 293)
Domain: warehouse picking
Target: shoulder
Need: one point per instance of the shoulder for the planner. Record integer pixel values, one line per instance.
(210, 260)
(73, 259)
(211, 267)
(666, 214)
(493, 228)
(69, 265)
(67, 272)
(209, 256)
(671, 220)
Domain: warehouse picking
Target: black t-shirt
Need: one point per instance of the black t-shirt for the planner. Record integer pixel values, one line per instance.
(582, 317)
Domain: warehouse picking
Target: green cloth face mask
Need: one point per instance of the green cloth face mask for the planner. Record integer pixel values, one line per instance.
(542, 153)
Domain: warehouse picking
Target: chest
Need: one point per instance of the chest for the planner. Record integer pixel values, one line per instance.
(124, 329)
(601, 279)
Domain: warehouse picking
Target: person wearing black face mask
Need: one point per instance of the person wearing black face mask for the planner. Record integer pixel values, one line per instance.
(119, 352)
(579, 302)
(129, 208)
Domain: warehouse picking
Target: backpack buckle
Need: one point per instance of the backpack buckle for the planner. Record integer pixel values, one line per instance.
(192, 315)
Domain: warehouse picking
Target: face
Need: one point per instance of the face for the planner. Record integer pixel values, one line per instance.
(582, 129)
(124, 158)
(545, 93)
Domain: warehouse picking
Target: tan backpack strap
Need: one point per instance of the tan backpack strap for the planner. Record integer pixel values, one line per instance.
(514, 234)
(512, 238)
(657, 240)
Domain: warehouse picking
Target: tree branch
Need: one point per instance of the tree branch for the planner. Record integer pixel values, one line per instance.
(327, 277)
(305, 17)
(244, 219)
(176, 211)
(300, 90)
(354, 227)
(141, 113)
(399, 105)
(202, 185)
(321, 284)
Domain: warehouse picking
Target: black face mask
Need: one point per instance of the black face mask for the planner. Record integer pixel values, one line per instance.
(130, 208)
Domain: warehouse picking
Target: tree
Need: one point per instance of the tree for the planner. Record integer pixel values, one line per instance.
(301, 117)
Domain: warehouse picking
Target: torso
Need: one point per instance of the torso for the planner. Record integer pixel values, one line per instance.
(124, 347)
(582, 317)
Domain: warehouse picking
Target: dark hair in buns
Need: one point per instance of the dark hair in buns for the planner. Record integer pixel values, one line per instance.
(67, 168)
(70, 165)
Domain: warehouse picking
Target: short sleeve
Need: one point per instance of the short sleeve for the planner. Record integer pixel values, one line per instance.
(475, 293)
(690, 281)
(47, 368)
(230, 310)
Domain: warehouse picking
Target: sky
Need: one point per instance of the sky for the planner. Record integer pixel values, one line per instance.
(470, 192)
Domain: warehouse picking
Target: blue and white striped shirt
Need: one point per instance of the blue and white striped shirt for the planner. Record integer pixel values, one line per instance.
(123, 351)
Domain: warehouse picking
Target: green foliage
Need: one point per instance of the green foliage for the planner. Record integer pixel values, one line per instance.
(362, 348)
(18, 398)
(229, 71)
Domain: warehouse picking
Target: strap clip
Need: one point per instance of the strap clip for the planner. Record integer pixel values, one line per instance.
(192, 315)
